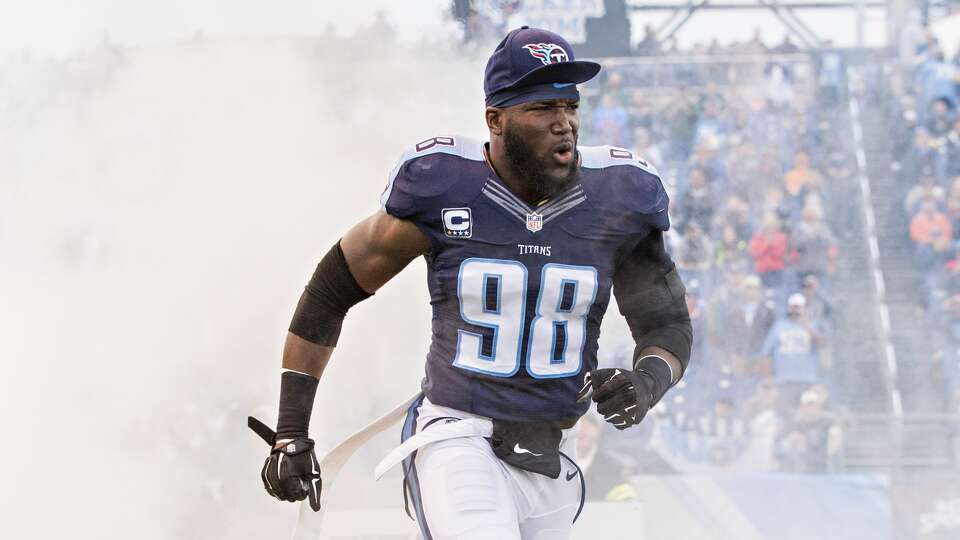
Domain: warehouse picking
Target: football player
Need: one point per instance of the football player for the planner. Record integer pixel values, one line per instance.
(525, 237)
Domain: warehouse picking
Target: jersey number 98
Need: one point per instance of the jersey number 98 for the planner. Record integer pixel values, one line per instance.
(493, 294)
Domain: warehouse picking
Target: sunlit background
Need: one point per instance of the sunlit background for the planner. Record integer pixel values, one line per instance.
(171, 172)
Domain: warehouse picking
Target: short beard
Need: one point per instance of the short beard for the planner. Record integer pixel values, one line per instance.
(531, 168)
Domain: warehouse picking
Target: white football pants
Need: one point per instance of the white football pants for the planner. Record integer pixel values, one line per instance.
(461, 490)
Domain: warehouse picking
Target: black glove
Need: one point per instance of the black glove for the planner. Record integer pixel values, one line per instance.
(291, 472)
(623, 397)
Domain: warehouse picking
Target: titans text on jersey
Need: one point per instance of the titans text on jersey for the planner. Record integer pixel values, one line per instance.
(519, 291)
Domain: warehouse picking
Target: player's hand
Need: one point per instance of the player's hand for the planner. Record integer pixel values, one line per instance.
(623, 397)
(291, 472)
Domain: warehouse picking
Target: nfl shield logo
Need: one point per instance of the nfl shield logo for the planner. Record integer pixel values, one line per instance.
(534, 222)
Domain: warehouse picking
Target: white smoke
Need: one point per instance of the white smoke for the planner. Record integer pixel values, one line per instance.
(160, 210)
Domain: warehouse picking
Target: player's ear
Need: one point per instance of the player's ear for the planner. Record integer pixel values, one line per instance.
(494, 117)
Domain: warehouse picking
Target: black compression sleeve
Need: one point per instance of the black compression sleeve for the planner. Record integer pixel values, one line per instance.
(659, 370)
(650, 296)
(297, 392)
(331, 292)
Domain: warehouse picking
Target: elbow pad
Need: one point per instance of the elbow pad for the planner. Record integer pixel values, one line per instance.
(331, 292)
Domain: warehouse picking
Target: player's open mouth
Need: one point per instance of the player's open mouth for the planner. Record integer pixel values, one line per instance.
(563, 153)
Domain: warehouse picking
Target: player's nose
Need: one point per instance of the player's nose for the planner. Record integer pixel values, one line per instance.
(563, 124)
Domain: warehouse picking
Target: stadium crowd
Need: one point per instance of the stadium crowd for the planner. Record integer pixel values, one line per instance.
(748, 160)
(926, 159)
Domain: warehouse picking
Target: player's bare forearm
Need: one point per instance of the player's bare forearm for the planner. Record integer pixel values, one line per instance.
(305, 357)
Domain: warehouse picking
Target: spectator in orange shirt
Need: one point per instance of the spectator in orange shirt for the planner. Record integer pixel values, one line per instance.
(931, 231)
(930, 225)
(801, 177)
(799, 182)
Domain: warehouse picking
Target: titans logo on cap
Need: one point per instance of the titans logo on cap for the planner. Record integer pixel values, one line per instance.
(548, 53)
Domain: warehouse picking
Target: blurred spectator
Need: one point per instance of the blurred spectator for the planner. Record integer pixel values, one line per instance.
(820, 314)
(773, 203)
(611, 121)
(646, 150)
(731, 250)
(697, 202)
(799, 182)
(779, 85)
(724, 432)
(698, 319)
(941, 118)
(681, 119)
(768, 247)
(921, 155)
(744, 164)
(936, 78)
(755, 45)
(707, 158)
(946, 281)
(953, 203)
(786, 46)
(763, 425)
(839, 172)
(912, 39)
(764, 401)
(800, 132)
(649, 45)
(949, 349)
(801, 177)
(643, 115)
(762, 125)
(791, 346)
(749, 317)
(712, 127)
(952, 148)
(694, 254)
(819, 308)
(830, 76)
(804, 446)
(477, 27)
(927, 188)
(736, 213)
(812, 244)
(931, 233)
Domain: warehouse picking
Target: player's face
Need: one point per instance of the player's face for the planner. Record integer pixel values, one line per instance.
(540, 139)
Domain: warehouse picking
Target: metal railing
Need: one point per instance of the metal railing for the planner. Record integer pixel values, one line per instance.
(695, 71)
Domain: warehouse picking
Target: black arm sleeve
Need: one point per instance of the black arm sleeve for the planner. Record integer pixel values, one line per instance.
(324, 303)
(650, 296)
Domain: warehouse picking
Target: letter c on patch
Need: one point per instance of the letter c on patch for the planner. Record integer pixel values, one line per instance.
(457, 222)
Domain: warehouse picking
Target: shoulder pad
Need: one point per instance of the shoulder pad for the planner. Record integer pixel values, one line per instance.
(629, 180)
(428, 170)
(601, 157)
(626, 187)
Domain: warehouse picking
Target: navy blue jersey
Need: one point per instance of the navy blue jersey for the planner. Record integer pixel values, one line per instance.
(518, 292)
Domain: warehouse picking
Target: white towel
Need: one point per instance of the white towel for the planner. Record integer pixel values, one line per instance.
(470, 427)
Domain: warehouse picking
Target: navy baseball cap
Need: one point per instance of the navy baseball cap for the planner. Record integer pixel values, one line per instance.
(531, 64)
